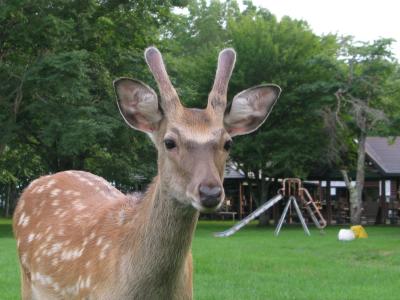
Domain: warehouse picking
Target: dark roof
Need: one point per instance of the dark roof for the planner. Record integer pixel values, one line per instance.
(384, 153)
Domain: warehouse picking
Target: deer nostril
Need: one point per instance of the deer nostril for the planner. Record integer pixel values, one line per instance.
(210, 196)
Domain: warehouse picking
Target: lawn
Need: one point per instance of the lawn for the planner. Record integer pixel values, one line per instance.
(9, 273)
(254, 264)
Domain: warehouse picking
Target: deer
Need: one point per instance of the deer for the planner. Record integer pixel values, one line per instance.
(78, 237)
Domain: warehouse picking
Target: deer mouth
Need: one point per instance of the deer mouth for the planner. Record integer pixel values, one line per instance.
(207, 205)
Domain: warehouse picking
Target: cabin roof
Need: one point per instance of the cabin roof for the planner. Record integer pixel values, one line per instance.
(385, 153)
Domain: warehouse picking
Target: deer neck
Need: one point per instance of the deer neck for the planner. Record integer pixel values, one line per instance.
(169, 225)
(165, 237)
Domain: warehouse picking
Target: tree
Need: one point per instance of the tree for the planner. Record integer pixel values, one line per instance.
(362, 99)
(292, 141)
(58, 59)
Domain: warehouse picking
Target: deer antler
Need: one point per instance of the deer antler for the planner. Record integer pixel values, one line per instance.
(218, 94)
(169, 98)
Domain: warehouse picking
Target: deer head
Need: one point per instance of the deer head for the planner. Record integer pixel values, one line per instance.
(193, 144)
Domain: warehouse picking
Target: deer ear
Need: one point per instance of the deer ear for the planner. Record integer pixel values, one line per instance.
(138, 104)
(250, 108)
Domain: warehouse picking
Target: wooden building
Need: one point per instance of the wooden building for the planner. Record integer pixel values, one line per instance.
(381, 195)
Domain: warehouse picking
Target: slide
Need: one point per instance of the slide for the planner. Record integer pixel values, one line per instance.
(250, 217)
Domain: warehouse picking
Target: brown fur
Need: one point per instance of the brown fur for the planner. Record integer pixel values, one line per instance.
(145, 253)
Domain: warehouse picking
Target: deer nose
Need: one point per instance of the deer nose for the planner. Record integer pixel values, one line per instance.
(210, 196)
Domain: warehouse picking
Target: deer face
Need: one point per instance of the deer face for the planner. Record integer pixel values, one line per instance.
(193, 145)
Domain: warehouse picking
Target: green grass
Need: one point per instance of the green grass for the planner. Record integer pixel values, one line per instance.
(9, 273)
(254, 264)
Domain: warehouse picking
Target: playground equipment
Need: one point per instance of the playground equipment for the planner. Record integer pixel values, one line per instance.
(293, 191)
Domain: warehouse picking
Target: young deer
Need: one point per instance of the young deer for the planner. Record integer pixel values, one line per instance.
(80, 238)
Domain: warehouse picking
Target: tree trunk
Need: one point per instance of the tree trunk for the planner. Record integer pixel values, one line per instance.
(264, 218)
(7, 208)
(360, 179)
(357, 191)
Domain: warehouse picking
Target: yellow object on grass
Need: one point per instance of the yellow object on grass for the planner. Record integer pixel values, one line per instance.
(359, 232)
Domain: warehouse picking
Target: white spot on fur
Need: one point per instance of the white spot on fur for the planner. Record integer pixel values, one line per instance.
(99, 241)
(31, 237)
(24, 258)
(40, 189)
(103, 251)
(55, 192)
(55, 202)
(87, 284)
(49, 237)
(54, 262)
(85, 241)
(87, 265)
(56, 247)
(56, 287)
(71, 254)
(23, 220)
(43, 279)
(48, 229)
(21, 217)
(121, 217)
(26, 221)
(51, 183)
(78, 205)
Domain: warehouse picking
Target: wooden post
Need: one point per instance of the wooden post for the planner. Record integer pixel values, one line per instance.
(328, 202)
(382, 203)
(251, 198)
(241, 201)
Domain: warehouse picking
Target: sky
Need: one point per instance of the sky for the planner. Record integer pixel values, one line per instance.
(365, 20)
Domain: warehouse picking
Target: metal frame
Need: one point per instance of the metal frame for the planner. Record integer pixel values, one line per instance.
(291, 200)
(293, 191)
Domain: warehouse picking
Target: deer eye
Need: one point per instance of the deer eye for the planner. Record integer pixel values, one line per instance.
(169, 144)
(228, 145)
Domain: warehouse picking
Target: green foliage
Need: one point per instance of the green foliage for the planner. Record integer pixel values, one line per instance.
(367, 97)
(58, 59)
(57, 62)
(287, 53)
